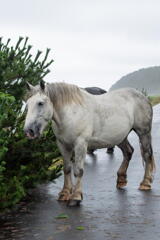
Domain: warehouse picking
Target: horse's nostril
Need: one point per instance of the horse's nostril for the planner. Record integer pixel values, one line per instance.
(31, 132)
(38, 127)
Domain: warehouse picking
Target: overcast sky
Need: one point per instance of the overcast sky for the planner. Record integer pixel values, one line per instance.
(93, 42)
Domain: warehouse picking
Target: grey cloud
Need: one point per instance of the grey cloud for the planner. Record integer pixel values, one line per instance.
(91, 41)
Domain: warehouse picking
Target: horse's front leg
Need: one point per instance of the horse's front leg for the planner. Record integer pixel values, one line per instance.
(78, 167)
(66, 192)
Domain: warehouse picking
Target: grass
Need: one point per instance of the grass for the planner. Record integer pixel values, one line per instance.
(154, 100)
(62, 216)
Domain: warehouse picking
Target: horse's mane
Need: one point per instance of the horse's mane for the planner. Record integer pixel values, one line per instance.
(61, 93)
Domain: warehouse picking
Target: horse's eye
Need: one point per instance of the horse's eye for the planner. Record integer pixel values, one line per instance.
(40, 104)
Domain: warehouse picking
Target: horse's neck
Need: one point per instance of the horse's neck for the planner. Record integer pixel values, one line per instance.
(59, 115)
(56, 118)
(65, 111)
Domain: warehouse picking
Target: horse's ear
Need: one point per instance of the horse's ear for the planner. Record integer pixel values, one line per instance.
(42, 85)
(29, 86)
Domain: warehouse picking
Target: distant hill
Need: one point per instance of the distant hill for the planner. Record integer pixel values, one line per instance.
(146, 78)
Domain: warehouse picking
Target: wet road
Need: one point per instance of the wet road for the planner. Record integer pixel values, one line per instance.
(106, 213)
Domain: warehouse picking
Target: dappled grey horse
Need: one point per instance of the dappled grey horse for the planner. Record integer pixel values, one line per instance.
(84, 121)
(97, 91)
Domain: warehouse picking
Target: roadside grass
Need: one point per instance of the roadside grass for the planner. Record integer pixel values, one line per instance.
(154, 100)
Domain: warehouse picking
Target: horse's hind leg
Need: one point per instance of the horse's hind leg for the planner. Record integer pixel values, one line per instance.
(147, 155)
(66, 192)
(127, 151)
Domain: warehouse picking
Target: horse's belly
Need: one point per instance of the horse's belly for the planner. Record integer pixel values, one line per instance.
(110, 134)
(95, 143)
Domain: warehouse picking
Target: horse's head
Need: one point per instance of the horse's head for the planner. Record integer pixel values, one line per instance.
(39, 111)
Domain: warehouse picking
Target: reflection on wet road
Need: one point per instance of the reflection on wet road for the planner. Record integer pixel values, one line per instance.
(106, 213)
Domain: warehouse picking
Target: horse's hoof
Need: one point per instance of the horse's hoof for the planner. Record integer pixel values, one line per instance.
(74, 203)
(63, 198)
(121, 185)
(143, 187)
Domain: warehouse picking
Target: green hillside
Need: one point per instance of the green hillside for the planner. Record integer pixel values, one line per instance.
(148, 79)
(154, 100)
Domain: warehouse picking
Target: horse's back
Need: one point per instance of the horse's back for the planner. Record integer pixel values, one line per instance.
(134, 102)
(130, 96)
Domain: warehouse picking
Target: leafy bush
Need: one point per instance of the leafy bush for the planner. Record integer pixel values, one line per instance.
(23, 162)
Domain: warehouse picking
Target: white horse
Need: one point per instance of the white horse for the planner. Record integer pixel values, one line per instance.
(83, 121)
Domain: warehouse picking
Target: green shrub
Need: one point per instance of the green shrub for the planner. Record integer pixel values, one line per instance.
(23, 162)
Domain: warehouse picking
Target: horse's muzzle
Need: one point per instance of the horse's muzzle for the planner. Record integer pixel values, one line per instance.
(33, 131)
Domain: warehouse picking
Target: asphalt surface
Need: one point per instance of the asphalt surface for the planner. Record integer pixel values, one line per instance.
(105, 213)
